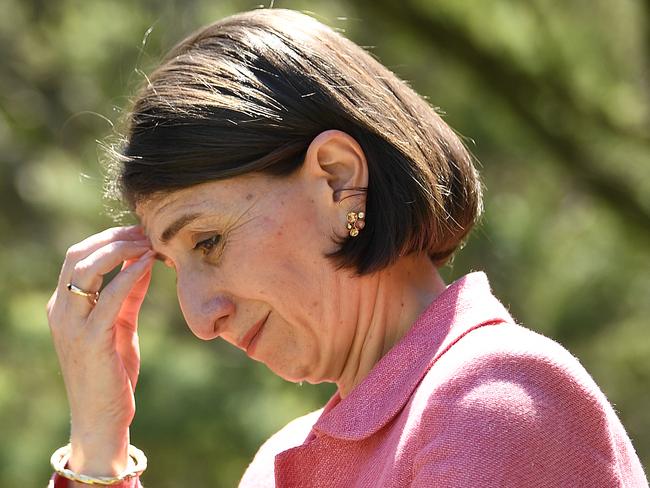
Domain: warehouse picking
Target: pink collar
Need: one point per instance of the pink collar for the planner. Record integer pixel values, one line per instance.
(465, 305)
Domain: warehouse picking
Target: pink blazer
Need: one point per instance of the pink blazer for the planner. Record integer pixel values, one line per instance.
(466, 399)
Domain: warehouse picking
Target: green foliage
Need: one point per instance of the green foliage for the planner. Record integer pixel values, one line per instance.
(556, 101)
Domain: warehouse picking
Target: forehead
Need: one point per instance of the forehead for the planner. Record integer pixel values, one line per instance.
(219, 197)
(159, 205)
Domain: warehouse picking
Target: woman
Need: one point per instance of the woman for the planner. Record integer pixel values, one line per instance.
(305, 198)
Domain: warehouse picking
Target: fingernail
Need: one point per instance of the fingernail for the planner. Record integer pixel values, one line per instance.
(142, 242)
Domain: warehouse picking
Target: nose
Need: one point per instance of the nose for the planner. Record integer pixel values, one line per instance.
(206, 310)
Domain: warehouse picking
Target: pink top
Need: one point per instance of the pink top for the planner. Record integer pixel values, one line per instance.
(467, 398)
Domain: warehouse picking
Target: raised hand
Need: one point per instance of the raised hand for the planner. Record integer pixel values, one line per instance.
(97, 343)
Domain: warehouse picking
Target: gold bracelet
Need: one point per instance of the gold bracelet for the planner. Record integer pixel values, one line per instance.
(62, 455)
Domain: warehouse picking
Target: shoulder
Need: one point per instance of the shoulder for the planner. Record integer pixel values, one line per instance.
(260, 472)
(511, 373)
(509, 363)
(506, 401)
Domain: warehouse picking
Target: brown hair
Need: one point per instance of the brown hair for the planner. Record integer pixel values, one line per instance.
(250, 92)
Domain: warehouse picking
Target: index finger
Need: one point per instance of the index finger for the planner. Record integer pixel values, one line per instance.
(83, 249)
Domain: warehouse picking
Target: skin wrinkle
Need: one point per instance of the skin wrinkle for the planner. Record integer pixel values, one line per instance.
(360, 343)
(231, 228)
(226, 231)
(376, 334)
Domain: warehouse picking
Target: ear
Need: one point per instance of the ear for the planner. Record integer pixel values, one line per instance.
(336, 163)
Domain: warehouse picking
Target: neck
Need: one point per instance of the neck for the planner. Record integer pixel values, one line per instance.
(389, 303)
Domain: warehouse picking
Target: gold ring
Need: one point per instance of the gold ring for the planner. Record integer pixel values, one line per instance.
(92, 296)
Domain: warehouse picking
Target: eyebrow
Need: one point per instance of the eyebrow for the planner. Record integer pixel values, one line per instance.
(177, 225)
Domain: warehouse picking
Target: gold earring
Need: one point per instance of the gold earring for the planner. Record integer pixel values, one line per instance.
(356, 222)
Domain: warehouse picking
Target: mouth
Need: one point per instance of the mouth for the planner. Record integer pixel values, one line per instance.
(252, 333)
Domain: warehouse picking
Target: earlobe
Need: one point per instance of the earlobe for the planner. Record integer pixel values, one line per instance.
(337, 157)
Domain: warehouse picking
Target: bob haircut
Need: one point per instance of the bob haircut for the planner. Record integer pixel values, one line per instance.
(250, 92)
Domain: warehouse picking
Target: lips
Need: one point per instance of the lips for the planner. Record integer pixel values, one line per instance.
(252, 332)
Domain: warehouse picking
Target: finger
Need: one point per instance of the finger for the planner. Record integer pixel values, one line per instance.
(88, 272)
(89, 245)
(128, 315)
(126, 325)
(114, 294)
(139, 290)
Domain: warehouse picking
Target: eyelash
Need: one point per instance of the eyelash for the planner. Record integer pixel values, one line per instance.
(206, 246)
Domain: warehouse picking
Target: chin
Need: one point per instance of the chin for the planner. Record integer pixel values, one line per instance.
(293, 373)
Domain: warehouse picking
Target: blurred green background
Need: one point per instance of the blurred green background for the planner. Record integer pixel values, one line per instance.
(552, 97)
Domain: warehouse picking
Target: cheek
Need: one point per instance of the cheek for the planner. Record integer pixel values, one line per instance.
(294, 263)
(279, 259)
(279, 256)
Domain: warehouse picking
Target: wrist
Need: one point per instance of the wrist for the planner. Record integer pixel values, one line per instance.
(99, 455)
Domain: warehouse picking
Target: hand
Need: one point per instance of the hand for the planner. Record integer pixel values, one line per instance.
(97, 345)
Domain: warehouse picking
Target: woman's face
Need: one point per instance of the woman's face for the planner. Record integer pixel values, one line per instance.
(249, 258)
